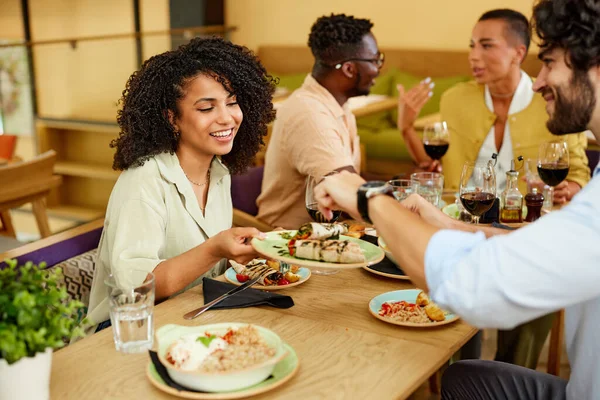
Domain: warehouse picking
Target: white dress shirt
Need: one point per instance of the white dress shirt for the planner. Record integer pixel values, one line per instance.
(153, 215)
(507, 280)
(520, 101)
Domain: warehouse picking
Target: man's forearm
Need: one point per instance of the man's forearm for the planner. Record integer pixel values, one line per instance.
(487, 230)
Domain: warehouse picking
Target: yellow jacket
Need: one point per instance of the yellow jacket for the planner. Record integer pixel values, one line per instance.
(469, 121)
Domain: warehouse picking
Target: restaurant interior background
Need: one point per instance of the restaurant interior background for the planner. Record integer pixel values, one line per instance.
(77, 83)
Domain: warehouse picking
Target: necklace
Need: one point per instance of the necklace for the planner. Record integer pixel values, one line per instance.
(196, 183)
(502, 96)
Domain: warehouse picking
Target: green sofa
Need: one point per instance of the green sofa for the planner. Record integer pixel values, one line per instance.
(378, 132)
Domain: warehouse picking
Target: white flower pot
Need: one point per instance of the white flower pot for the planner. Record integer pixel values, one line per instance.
(28, 378)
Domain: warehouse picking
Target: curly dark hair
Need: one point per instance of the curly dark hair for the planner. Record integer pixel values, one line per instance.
(336, 37)
(516, 23)
(157, 87)
(572, 25)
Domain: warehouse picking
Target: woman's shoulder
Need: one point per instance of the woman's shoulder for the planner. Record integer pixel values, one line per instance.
(462, 89)
(140, 182)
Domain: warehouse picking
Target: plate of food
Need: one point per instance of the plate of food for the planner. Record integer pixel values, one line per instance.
(388, 267)
(318, 245)
(221, 361)
(411, 307)
(275, 275)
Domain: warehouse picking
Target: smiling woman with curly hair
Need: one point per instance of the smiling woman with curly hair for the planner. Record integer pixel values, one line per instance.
(189, 118)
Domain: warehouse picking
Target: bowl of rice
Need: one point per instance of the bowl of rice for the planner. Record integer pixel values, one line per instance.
(219, 357)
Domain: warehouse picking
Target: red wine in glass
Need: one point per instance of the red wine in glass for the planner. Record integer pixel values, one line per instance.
(316, 215)
(553, 173)
(436, 148)
(477, 203)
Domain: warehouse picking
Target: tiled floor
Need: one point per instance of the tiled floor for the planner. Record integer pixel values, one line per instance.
(488, 351)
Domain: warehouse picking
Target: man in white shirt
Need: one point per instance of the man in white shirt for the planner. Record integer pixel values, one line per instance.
(509, 279)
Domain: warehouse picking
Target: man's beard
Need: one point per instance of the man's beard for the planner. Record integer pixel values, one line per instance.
(572, 113)
(357, 90)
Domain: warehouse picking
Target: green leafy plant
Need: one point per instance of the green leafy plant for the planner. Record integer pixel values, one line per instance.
(35, 312)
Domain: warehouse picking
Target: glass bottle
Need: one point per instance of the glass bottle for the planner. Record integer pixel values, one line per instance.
(512, 199)
(534, 202)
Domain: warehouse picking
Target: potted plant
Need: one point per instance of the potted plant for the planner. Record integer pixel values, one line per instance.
(35, 318)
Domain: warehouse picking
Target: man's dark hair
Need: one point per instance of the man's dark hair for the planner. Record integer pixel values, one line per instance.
(572, 25)
(337, 37)
(154, 91)
(517, 24)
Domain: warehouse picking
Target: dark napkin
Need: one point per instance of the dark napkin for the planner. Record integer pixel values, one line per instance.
(502, 226)
(247, 298)
(386, 265)
(162, 371)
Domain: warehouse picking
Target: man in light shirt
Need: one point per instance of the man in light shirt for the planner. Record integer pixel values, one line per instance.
(500, 280)
(315, 130)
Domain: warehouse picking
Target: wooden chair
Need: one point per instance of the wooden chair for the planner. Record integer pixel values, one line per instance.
(556, 344)
(28, 182)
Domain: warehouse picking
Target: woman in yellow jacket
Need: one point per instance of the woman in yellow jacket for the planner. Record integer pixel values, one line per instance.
(498, 112)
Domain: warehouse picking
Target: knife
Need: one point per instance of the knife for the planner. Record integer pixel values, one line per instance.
(193, 314)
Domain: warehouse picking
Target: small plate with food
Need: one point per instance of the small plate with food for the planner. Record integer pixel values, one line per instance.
(411, 307)
(221, 361)
(274, 275)
(316, 245)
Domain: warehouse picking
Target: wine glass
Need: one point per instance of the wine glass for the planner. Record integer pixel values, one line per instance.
(317, 216)
(553, 164)
(477, 188)
(436, 140)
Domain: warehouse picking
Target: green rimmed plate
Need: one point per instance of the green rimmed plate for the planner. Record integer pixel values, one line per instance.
(283, 372)
(304, 274)
(408, 295)
(275, 244)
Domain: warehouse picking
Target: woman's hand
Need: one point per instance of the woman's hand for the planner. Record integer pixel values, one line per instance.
(410, 103)
(427, 211)
(234, 244)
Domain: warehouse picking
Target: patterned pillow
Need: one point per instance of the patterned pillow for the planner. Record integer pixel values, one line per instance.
(78, 273)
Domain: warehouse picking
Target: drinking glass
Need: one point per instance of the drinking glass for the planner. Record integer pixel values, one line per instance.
(477, 188)
(436, 140)
(315, 214)
(553, 164)
(131, 305)
(403, 188)
(431, 186)
(533, 181)
(312, 206)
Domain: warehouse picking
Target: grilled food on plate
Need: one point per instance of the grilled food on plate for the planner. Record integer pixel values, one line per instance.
(271, 272)
(333, 251)
(316, 231)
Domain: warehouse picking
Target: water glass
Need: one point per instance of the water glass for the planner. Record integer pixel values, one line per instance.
(131, 304)
(431, 186)
(403, 188)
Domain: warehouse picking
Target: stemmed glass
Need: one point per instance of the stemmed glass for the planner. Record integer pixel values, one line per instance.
(315, 214)
(553, 164)
(436, 140)
(477, 188)
(312, 205)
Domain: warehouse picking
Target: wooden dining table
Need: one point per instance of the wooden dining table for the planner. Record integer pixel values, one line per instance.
(344, 351)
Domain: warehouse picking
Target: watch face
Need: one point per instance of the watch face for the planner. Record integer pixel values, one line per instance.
(373, 184)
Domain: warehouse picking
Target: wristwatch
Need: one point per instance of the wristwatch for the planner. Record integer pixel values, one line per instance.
(368, 190)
